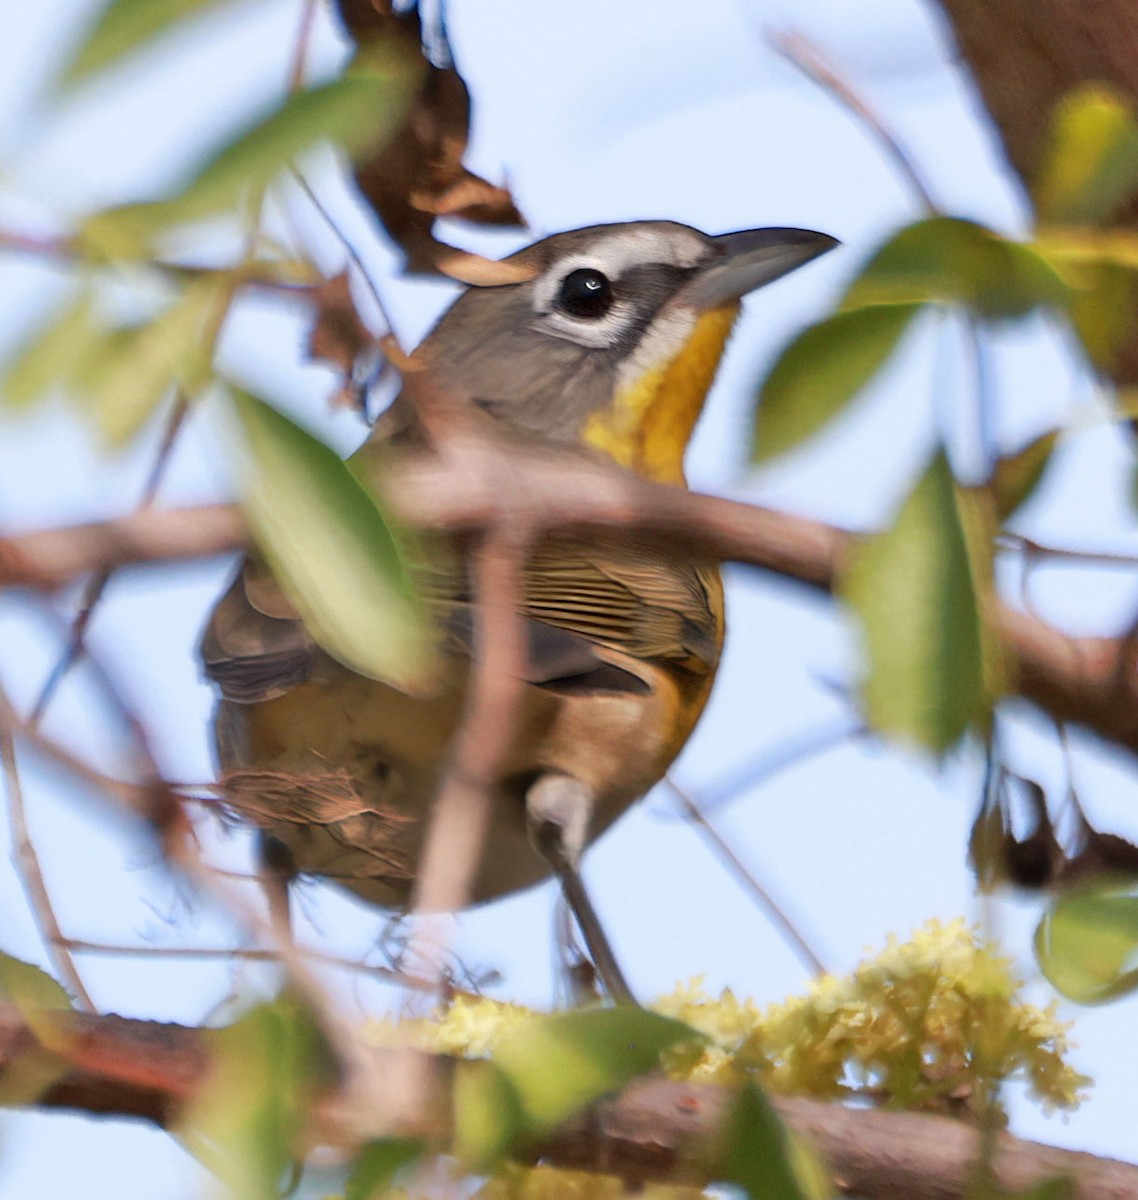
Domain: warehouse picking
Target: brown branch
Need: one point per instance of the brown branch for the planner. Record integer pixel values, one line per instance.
(97, 585)
(29, 870)
(1084, 680)
(655, 1129)
(52, 558)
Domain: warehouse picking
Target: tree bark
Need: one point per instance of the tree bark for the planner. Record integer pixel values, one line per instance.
(653, 1130)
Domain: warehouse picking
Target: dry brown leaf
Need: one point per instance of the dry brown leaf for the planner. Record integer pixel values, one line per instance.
(419, 175)
(338, 335)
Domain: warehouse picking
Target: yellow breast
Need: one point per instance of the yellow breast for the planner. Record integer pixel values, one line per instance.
(653, 414)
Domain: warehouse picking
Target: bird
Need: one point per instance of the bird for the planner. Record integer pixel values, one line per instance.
(605, 345)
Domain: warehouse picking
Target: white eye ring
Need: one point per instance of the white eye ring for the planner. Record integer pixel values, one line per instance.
(587, 331)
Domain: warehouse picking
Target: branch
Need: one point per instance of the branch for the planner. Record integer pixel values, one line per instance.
(655, 1129)
(52, 558)
(1025, 57)
(1085, 680)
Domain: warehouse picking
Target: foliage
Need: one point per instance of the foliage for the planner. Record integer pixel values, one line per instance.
(1087, 942)
(936, 1022)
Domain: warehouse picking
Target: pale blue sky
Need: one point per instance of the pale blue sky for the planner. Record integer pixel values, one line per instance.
(594, 111)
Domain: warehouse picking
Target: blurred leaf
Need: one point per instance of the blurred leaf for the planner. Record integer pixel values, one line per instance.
(377, 1165)
(488, 1117)
(559, 1064)
(757, 1154)
(122, 27)
(130, 371)
(1090, 168)
(265, 1069)
(948, 260)
(1018, 475)
(1103, 313)
(53, 355)
(365, 106)
(332, 549)
(822, 370)
(29, 988)
(549, 1069)
(914, 589)
(1087, 945)
(35, 995)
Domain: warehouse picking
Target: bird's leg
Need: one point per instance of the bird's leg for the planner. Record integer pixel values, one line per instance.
(558, 809)
(277, 869)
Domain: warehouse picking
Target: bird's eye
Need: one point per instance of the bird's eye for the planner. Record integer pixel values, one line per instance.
(585, 293)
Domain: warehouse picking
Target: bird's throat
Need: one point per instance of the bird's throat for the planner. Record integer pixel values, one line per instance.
(653, 415)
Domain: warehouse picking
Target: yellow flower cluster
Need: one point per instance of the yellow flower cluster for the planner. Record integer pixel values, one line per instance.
(932, 1023)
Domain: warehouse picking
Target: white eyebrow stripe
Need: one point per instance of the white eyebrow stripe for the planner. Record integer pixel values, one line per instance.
(619, 251)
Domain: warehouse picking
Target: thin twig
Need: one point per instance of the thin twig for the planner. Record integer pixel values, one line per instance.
(353, 254)
(70, 252)
(301, 45)
(251, 954)
(97, 584)
(455, 837)
(804, 54)
(1064, 555)
(29, 870)
(759, 894)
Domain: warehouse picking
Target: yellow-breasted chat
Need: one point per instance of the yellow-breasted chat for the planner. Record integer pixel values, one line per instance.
(609, 348)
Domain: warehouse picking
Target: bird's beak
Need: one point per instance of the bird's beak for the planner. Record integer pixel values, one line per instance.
(750, 259)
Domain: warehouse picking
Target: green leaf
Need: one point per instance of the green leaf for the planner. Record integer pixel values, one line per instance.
(947, 260)
(123, 27)
(360, 110)
(1090, 168)
(822, 370)
(488, 1116)
(377, 1165)
(915, 590)
(1018, 475)
(29, 988)
(35, 1067)
(53, 356)
(332, 549)
(1103, 312)
(549, 1069)
(1087, 944)
(559, 1064)
(265, 1070)
(131, 370)
(758, 1155)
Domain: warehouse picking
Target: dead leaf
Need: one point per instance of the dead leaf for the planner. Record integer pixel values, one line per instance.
(338, 335)
(419, 174)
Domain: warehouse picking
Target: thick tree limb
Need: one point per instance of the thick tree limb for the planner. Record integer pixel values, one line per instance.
(1025, 57)
(1091, 681)
(654, 1130)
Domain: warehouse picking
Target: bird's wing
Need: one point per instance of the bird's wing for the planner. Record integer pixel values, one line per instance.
(256, 647)
(630, 599)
